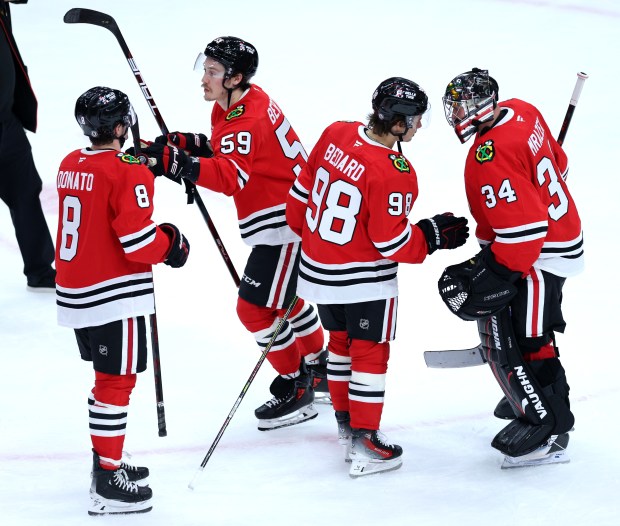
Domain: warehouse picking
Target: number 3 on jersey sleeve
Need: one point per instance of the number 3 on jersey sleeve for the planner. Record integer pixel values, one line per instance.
(343, 201)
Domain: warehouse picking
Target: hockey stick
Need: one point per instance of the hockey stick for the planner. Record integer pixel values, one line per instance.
(79, 15)
(263, 355)
(469, 357)
(581, 78)
(454, 358)
(159, 390)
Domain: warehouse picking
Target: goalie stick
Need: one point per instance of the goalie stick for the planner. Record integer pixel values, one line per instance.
(448, 359)
(79, 15)
(456, 358)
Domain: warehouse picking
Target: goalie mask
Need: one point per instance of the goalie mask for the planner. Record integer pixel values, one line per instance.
(99, 110)
(469, 101)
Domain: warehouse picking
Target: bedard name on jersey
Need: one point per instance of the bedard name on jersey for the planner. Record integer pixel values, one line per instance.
(107, 242)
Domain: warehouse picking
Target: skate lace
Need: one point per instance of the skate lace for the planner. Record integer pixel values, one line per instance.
(128, 467)
(383, 440)
(274, 402)
(121, 480)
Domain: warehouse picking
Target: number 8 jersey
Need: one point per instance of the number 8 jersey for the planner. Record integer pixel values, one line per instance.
(350, 206)
(106, 239)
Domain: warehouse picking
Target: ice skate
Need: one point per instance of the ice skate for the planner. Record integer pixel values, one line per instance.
(344, 432)
(372, 453)
(112, 493)
(318, 371)
(137, 474)
(291, 403)
(551, 452)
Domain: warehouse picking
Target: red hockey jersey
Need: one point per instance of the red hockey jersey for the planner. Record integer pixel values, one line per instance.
(257, 156)
(515, 179)
(350, 205)
(106, 240)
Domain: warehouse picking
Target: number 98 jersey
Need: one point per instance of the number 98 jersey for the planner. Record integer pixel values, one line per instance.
(350, 206)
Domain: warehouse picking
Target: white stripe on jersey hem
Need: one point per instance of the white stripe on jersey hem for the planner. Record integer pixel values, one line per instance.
(102, 284)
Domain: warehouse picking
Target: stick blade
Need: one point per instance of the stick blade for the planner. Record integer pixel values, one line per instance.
(81, 15)
(454, 358)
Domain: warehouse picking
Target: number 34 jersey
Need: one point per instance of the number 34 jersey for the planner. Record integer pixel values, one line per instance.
(106, 239)
(350, 206)
(515, 179)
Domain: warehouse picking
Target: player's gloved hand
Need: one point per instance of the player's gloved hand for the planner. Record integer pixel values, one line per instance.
(179, 246)
(444, 231)
(478, 287)
(195, 144)
(172, 163)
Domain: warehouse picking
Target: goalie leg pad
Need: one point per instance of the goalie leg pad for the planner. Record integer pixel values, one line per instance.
(536, 420)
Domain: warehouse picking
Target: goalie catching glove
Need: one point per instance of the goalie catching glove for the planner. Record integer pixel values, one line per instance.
(444, 231)
(479, 287)
(171, 162)
(195, 144)
(179, 246)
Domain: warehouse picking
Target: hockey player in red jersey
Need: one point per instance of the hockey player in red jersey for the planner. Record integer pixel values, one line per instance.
(530, 231)
(106, 245)
(350, 205)
(256, 157)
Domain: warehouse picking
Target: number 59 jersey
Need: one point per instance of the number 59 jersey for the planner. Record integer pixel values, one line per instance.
(106, 240)
(350, 206)
(515, 180)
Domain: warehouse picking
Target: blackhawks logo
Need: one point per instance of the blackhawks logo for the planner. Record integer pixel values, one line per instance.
(400, 163)
(485, 152)
(129, 159)
(237, 112)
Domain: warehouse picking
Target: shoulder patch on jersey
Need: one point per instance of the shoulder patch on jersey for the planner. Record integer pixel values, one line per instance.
(400, 163)
(126, 158)
(485, 152)
(237, 112)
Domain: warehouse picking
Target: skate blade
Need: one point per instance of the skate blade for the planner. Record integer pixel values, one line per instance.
(360, 468)
(302, 415)
(101, 506)
(322, 398)
(559, 457)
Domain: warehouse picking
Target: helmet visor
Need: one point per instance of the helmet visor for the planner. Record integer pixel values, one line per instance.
(131, 118)
(209, 67)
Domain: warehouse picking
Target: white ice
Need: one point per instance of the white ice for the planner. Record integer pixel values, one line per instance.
(320, 60)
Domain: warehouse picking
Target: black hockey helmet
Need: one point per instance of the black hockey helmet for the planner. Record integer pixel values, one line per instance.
(469, 101)
(99, 110)
(236, 55)
(398, 96)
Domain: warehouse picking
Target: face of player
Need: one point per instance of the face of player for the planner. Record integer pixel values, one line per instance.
(415, 125)
(215, 87)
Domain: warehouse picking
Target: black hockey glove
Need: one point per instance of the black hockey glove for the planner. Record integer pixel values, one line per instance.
(179, 246)
(172, 163)
(444, 231)
(195, 144)
(478, 287)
